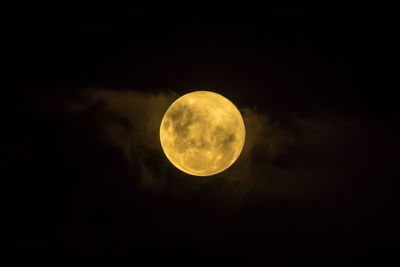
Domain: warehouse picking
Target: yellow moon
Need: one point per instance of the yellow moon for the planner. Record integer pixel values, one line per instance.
(202, 133)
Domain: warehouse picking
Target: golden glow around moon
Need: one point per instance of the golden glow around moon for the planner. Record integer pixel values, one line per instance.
(202, 133)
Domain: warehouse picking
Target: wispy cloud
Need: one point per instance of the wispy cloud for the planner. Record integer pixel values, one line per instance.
(304, 159)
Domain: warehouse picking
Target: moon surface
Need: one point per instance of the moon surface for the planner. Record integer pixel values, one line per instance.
(202, 133)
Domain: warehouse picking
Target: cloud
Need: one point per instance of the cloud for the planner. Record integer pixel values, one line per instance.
(301, 160)
(128, 121)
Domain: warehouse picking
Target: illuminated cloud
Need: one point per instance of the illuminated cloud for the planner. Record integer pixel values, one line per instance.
(302, 160)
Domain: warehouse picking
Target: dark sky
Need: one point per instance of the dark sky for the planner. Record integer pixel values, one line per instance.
(84, 176)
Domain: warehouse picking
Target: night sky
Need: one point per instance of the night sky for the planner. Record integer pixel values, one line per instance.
(84, 176)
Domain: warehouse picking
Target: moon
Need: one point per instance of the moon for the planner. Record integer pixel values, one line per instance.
(202, 133)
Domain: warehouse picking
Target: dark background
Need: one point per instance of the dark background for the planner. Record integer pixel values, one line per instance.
(69, 197)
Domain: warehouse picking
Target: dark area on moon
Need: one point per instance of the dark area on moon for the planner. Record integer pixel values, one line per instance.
(84, 177)
(181, 120)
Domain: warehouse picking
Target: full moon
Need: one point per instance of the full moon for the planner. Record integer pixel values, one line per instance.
(202, 133)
